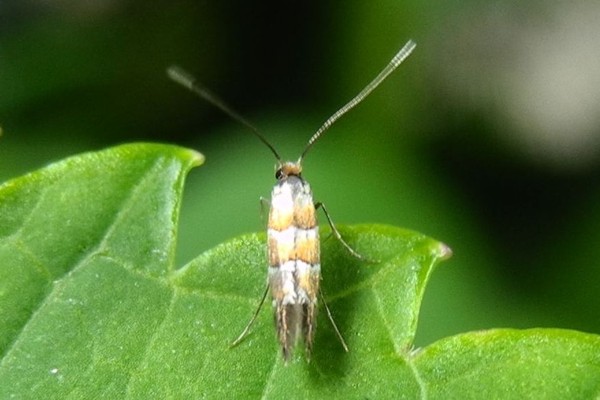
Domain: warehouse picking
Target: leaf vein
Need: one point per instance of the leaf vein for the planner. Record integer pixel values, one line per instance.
(150, 343)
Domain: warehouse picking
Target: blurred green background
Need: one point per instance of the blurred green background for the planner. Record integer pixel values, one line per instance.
(487, 138)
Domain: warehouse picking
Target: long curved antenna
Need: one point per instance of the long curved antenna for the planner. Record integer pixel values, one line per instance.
(397, 60)
(188, 81)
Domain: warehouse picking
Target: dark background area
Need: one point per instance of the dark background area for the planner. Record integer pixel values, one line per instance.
(487, 138)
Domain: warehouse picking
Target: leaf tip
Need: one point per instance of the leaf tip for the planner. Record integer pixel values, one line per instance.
(443, 251)
(196, 158)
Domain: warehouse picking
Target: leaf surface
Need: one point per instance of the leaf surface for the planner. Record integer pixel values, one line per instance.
(91, 305)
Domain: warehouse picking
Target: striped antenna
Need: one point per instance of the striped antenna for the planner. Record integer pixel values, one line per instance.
(397, 60)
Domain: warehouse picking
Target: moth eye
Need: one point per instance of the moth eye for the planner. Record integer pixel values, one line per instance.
(278, 174)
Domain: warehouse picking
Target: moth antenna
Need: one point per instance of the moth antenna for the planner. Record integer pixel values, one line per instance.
(189, 82)
(397, 60)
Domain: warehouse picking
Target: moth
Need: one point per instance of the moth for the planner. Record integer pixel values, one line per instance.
(293, 247)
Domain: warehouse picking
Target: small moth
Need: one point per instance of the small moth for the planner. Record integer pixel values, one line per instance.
(293, 249)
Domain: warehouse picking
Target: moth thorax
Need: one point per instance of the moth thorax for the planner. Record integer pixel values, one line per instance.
(288, 168)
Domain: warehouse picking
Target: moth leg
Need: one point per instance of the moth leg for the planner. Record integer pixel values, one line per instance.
(247, 328)
(337, 234)
(265, 204)
(335, 328)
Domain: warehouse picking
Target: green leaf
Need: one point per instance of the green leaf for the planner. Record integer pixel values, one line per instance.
(91, 305)
(77, 240)
(512, 364)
